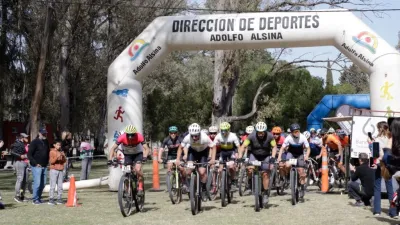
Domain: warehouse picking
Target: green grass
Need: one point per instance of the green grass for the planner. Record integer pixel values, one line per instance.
(99, 206)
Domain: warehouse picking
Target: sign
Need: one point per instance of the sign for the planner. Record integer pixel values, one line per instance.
(358, 55)
(359, 138)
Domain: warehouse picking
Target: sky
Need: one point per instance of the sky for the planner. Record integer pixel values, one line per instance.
(386, 25)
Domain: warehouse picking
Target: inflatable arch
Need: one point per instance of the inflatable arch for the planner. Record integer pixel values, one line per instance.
(249, 31)
(333, 102)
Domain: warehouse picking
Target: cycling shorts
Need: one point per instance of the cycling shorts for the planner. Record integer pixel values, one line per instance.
(198, 157)
(226, 156)
(261, 158)
(131, 159)
(300, 158)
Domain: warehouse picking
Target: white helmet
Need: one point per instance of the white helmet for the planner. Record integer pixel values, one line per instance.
(331, 130)
(249, 129)
(261, 127)
(318, 131)
(213, 129)
(288, 130)
(204, 131)
(194, 129)
(307, 134)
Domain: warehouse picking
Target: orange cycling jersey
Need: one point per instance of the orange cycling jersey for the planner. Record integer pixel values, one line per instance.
(333, 142)
(344, 141)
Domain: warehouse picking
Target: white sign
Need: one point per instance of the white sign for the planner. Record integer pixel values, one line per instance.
(342, 111)
(359, 138)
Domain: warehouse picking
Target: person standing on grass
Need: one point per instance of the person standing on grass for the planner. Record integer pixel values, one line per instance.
(57, 161)
(86, 150)
(19, 151)
(38, 156)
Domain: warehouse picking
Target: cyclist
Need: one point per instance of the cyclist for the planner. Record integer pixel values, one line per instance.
(228, 142)
(279, 139)
(196, 148)
(295, 144)
(133, 153)
(315, 146)
(334, 147)
(263, 148)
(343, 138)
(213, 131)
(241, 134)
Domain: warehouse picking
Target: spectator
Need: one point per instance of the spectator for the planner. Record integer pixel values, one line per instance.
(66, 146)
(384, 141)
(86, 155)
(21, 166)
(57, 161)
(38, 155)
(393, 158)
(363, 192)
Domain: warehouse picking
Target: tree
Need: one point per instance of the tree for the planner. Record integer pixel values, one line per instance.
(356, 78)
(329, 76)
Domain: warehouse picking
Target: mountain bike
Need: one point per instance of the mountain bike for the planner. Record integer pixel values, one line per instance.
(226, 193)
(195, 191)
(257, 184)
(243, 180)
(127, 190)
(295, 186)
(313, 175)
(174, 183)
(213, 181)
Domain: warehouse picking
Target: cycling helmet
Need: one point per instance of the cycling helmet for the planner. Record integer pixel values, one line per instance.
(213, 129)
(341, 133)
(294, 127)
(288, 130)
(173, 129)
(312, 130)
(225, 126)
(331, 130)
(194, 129)
(249, 129)
(130, 129)
(276, 130)
(241, 132)
(204, 131)
(318, 131)
(323, 131)
(261, 127)
(307, 134)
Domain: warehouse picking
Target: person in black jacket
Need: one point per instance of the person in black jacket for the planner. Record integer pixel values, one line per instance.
(363, 192)
(38, 155)
(21, 166)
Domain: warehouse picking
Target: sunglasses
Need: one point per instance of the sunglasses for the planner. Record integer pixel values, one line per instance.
(195, 136)
(213, 133)
(296, 132)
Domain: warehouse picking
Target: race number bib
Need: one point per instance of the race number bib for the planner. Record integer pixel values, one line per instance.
(256, 163)
(190, 166)
(126, 169)
(293, 162)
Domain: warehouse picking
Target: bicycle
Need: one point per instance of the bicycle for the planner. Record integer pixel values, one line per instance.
(195, 191)
(127, 190)
(257, 185)
(243, 180)
(213, 175)
(295, 186)
(226, 193)
(275, 181)
(174, 183)
(312, 173)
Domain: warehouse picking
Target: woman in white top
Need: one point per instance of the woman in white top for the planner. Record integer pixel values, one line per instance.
(385, 143)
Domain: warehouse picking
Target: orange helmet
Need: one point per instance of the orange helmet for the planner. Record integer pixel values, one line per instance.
(276, 130)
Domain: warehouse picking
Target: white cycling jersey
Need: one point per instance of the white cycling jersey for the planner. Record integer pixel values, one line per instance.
(199, 145)
(296, 142)
(316, 140)
(227, 143)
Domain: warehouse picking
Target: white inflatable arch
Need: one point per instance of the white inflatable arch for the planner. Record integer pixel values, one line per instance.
(249, 31)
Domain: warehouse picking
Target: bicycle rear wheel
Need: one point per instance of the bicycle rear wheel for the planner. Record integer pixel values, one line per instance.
(125, 196)
(293, 185)
(256, 192)
(193, 194)
(224, 192)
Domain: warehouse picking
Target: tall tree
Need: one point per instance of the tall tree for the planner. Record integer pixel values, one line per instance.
(356, 78)
(329, 76)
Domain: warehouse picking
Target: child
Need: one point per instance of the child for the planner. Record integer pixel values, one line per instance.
(57, 161)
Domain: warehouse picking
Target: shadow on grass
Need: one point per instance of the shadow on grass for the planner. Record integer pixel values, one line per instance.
(384, 219)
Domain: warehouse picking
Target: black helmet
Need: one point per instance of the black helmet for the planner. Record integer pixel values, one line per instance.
(294, 127)
(323, 131)
(241, 132)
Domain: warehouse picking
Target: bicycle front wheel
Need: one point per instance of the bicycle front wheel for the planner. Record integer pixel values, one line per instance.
(256, 193)
(293, 185)
(193, 194)
(171, 186)
(125, 196)
(224, 192)
(242, 180)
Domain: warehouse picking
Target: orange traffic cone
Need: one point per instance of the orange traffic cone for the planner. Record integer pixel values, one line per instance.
(156, 176)
(72, 198)
(325, 171)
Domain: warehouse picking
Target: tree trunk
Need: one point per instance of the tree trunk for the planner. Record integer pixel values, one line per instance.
(3, 60)
(40, 75)
(64, 84)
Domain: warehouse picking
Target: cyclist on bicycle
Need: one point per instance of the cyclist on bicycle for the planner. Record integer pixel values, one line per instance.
(212, 133)
(295, 143)
(133, 153)
(279, 139)
(263, 148)
(343, 138)
(172, 144)
(196, 147)
(334, 147)
(228, 142)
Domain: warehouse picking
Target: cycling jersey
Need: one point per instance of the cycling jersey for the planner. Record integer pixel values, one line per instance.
(130, 146)
(204, 142)
(261, 147)
(172, 145)
(344, 141)
(227, 143)
(333, 142)
(316, 141)
(296, 145)
(279, 141)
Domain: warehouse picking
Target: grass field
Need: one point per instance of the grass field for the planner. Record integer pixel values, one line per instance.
(99, 206)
